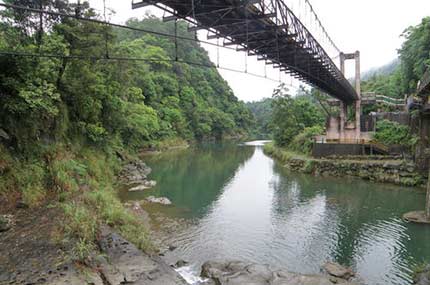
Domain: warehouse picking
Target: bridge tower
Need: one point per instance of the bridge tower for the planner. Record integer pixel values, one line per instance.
(357, 104)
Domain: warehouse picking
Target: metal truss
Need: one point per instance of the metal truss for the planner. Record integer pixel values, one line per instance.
(267, 29)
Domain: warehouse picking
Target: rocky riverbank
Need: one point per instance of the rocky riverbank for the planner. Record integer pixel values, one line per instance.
(379, 169)
(134, 176)
(31, 253)
(238, 272)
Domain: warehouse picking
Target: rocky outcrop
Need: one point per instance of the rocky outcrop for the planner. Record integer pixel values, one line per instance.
(237, 272)
(123, 263)
(134, 174)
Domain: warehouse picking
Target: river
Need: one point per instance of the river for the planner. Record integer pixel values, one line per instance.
(243, 205)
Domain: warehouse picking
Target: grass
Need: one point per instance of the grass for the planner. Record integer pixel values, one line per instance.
(80, 182)
(169, 144)
(282, 154)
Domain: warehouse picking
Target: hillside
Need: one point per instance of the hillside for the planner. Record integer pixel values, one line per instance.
(78, 99)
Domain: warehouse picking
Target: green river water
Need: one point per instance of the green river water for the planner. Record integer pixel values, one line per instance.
(243, 205)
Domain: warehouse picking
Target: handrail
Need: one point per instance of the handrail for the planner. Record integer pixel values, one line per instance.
(373, 143)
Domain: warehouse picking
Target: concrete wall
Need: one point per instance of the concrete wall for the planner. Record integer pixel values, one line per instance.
(327, 149)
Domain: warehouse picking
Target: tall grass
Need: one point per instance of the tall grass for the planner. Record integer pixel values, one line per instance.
(81, 183)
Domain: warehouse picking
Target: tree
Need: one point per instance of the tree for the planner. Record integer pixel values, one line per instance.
(291, 115)
(415, 54)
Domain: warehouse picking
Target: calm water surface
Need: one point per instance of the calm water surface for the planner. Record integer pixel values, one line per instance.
(244, 205)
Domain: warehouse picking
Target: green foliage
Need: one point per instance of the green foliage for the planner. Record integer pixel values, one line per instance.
(262, 111)
(385, 84)
(392, 133)
(68, 118)
(291, 115)
(131, 103)
(415, 54)
(398, 79)
(303, 142)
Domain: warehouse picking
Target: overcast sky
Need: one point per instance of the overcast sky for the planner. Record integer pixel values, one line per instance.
(371, 26)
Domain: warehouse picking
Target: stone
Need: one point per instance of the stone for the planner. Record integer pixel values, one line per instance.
(6, 222)
(180, 263)
(172, 247)
(144, 184)
(125, 264)
(159, 200)
(418, 217)
(138, 188)
(238, 272)
(337, 270)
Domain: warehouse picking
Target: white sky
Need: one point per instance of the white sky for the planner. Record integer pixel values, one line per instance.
(371, 26)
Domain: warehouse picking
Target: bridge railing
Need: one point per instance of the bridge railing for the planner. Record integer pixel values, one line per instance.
(268, 29)
(294, 26)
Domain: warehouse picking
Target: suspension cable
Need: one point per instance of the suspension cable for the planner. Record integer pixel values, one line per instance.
(92, 20)
(120, 58)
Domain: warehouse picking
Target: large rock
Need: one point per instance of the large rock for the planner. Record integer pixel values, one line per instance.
(159, 200)
(237, 272)
(123, 263)
(416, 217)
(338, 270)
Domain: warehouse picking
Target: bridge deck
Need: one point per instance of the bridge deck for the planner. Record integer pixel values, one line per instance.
(270, 31)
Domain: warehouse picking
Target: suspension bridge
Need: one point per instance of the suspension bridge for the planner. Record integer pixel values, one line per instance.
(269, 30)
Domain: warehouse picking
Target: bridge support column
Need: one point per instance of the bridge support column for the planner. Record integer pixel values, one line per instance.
(357, 104)
(343, 108)
(358, 90)
(342, 118)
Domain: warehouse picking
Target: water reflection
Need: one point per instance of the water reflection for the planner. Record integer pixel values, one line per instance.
(248, 207)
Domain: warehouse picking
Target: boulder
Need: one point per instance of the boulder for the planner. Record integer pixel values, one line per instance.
(145, 184)
(418, 217)
(180, 263)
(159, 200)
(138, 188)
(337, 270)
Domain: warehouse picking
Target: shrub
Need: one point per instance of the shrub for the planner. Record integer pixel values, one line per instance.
(392, 133)
(303, 142)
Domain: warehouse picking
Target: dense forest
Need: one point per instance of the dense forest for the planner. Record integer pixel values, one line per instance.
(78, 96)
(262, 112)
(116, 102)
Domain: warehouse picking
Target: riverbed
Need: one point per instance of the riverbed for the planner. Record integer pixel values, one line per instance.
(241, 204)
